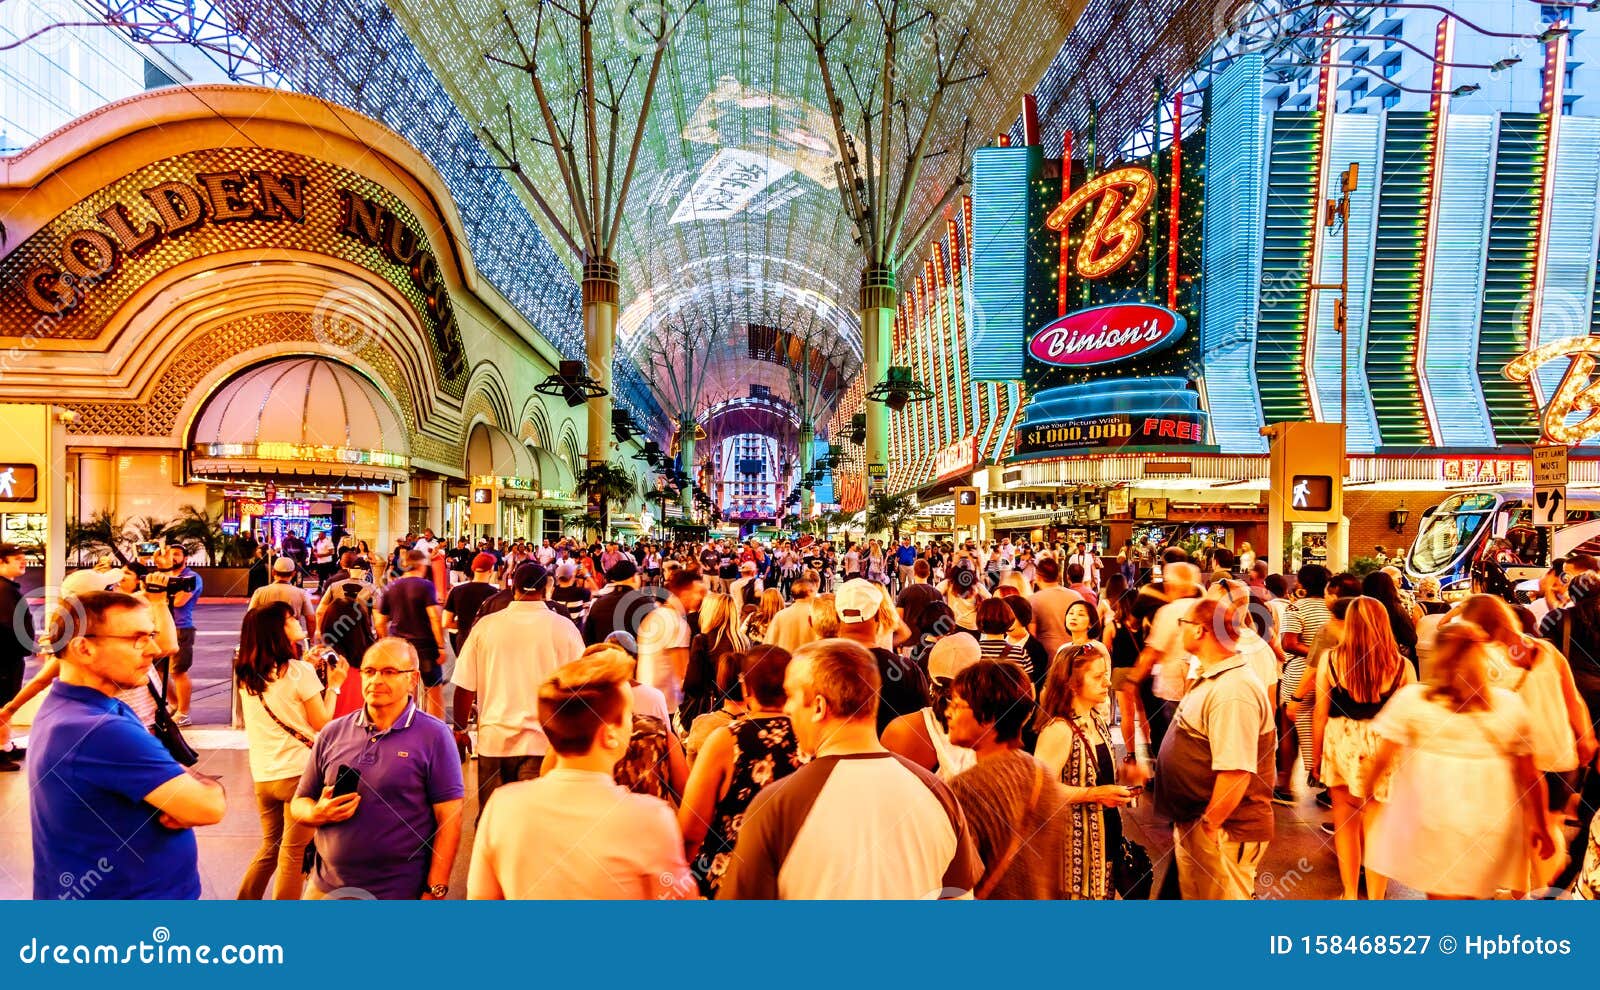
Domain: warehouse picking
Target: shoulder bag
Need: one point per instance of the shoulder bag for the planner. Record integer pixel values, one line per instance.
(296, 734)
(165, 727)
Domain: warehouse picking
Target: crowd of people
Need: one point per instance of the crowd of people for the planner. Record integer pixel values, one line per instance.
(799, 719)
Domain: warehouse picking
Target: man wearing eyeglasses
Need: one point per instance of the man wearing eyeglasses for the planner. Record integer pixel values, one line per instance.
(1215, 771)
(395, 837)
(113, 814)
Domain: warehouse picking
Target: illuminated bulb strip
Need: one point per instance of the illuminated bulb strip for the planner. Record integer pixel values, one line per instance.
(1555, 67)
(1114, 233)
(1325, 108)
(1066, 239)
(1577, 393)
(1443, 48)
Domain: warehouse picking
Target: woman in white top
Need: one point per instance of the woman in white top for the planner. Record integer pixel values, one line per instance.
(284, 707)
(1563, 735)
(923, 737)
(1465, 816)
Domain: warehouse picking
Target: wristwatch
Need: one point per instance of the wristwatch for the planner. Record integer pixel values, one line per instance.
(439, 891)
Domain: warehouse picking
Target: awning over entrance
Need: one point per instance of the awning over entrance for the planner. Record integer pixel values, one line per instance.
(307, 417)
(494, 453)
(555, 478)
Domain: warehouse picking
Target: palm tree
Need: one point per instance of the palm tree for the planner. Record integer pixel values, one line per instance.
(614, 482)
(890, 512)
(94, 536)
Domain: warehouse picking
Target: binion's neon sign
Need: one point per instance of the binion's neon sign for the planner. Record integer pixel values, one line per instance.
(1577, 393)
(1116, 229)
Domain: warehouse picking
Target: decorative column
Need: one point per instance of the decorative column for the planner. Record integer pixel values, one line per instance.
(878, 300)
(808, 445)
(601, 289)
(97, 484)
(399, 512)
(433, 492)
(686, 431)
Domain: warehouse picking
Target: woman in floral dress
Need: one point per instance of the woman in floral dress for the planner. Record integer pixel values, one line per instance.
(735, 763)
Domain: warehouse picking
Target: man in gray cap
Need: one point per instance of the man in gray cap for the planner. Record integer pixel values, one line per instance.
(282, 589)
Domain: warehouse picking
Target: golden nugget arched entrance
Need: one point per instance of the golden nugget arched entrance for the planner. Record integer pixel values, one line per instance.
(299, 445)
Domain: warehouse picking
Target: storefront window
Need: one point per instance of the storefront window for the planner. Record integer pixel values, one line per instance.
(28, 530)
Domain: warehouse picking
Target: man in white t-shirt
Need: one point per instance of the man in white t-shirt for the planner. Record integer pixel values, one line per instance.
(426, 543)
(574, 833)
(857, 822)
(664, 635)
(509, 654)
(1164, 656)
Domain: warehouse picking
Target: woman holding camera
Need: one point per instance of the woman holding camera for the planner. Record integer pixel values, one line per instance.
(284, 706)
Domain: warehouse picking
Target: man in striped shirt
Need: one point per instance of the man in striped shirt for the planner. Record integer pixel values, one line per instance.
(857, 822)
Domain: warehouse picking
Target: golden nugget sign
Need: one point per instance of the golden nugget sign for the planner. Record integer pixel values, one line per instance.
(1577, 393)
(67, 280)
(92, 254)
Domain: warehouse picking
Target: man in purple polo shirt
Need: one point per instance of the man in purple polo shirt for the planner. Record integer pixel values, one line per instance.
(396, 837)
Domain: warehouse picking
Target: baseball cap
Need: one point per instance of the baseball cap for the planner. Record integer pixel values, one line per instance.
(530, 577)
(283, 565)
(857, 600)
(622, 570)
(625, 640)
(484, 562)
(953, 654)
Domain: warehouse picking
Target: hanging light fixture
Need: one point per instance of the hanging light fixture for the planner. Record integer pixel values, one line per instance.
(571, 383)
(898, 388)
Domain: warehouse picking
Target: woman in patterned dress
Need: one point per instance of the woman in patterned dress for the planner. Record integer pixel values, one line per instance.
(737, 761)
(1075, 743)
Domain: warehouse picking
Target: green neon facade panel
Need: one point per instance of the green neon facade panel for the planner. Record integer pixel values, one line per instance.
(1291, 209)
(1393, 309)
(1508, 275)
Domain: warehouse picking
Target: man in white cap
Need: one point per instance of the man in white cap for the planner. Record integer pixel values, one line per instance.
(902, 687)
(924, 737)
(282, 589)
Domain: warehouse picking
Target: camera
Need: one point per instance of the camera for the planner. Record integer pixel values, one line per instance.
(180, 584)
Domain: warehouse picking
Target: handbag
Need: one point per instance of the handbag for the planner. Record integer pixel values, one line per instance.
(165, 727)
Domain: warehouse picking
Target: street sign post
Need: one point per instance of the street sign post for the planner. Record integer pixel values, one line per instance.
(1550, 484)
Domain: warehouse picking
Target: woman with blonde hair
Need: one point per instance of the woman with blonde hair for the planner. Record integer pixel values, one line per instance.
(1465, 815)
(756, 623)
(720, 634)
(824, 616)
(1563, 735)
(1362, 674)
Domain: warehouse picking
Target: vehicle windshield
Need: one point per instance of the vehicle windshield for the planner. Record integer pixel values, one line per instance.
(1451, 531)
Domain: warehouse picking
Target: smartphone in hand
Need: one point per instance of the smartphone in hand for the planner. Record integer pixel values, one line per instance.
(346, 781)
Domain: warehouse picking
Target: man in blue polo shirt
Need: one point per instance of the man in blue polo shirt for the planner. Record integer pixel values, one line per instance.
(905, 556)
(112, 813)
(396, 837)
